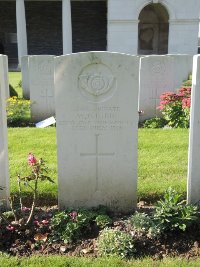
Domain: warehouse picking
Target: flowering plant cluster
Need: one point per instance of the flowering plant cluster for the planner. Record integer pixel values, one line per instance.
(24, 215)
(175, 107)
(18, 111)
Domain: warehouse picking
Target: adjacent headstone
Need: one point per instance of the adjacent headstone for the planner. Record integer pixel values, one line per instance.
(182, 69)
(25, 76)
(4, 75)
(41, 78)
(96, 97)
(156, 77)
(193, 191)
(4, 174)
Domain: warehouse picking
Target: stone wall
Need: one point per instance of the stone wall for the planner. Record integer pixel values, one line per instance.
(8, 30)
(89, 26)
(44, 26)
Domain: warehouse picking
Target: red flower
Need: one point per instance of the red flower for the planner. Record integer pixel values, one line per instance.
(31, 159)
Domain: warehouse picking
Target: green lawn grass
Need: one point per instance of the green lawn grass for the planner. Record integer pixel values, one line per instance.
(14, 78)
(62, 261)
(162, 159)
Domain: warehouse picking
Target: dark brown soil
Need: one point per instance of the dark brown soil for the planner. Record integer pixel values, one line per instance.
(24, 241)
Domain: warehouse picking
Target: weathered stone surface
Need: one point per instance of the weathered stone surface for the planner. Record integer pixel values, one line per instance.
(25, 76)
(193, 190)
(96, 97)
(159, 74)
(4, 174)
(41, 77)
(156, 77)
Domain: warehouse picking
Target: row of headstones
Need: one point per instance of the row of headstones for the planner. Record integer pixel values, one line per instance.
(96, 101)
(158, 74)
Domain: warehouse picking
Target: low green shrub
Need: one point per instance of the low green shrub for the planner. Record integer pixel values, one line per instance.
(145, 225)
(175, 107)
(103, 220)
(70, 225)
(172, 213)
(155, 123)
(18, 111)
(112, 242)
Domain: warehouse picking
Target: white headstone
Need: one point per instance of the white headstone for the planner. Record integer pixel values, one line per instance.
(156, 77)
(96, 98)
(25, 76)
(41, 77)
(4, 75)
(4, 174)
(193, 191)
(182, 69)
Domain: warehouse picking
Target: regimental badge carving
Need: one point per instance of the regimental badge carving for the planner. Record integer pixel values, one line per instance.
(97, 82)
(45, 68)
(158, 68)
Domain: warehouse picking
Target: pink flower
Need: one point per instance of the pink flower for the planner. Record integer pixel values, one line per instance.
(10, 228)
(186, 102)
(45, 222)
(73, 215)
(36, 222)
(25, 209)
(31, 159)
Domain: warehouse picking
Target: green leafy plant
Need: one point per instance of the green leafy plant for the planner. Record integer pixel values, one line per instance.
(172, 213)
(18, 111)
(103, 220)
(38, 173)
(113, 242)
(71, 225)
(144, 224)
(155, 123)
(175, 108)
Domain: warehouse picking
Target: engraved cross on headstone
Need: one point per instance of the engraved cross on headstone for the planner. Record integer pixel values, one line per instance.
(96, 154)
(46, 93)
(155, 98)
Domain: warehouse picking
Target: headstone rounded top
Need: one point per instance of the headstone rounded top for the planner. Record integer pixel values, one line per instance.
(96, 82)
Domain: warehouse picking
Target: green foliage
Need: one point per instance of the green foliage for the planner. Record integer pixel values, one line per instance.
(173, 214)
(112, 242)
(19, 85)
(12, 91)
(144, 224)
(175, 108)
(170, 214)
(70, 225)
(18, 111)
(154, 123)
(103, 220)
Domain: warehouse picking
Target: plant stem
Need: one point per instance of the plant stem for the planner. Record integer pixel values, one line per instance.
(20, 192)
(4, 218)
(12, 208)
(34, 201)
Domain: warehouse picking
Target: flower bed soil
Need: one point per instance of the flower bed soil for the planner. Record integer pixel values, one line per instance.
(33, 240)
